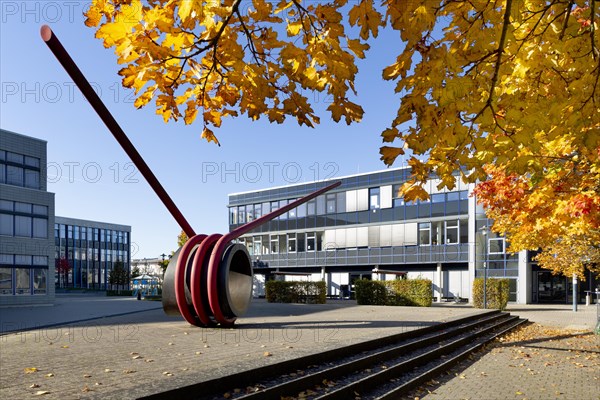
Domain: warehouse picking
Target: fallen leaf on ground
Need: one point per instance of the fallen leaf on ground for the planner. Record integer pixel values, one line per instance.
(30, 370)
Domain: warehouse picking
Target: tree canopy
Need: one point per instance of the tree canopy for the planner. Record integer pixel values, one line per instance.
(503, 92)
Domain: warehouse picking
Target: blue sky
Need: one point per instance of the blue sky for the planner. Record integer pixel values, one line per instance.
(93, 178)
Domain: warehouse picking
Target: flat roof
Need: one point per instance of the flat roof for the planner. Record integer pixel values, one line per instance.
(22, 135)
(337, 178)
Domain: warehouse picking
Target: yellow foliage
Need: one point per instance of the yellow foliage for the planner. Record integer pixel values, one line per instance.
(513, 84)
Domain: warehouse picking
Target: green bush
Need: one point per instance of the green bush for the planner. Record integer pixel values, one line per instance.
(400, 292)
(119, 292)
(296, 292)
(497, 293)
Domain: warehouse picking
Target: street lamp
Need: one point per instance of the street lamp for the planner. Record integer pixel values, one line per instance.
(484, 232)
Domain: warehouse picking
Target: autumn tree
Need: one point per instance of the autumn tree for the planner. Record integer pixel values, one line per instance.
(505, 89)
(62, 270)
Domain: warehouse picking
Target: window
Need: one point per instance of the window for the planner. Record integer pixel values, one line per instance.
(274, 244)
(266, 208)
(83, 233)
(464, 195)
(283, 203)
(2, 173)
(331, 202)
(341, 202)
(301, 242)
(451, 232)
(257, 245)
(7, 225)
(232, 215)
(321, 205)
(453, 196)
(425, 234)
(438, 198)
(241, 214)
(301, 210)
(14, 175)
(311, 207)
(40, 210)
(32, 162)
(23, 207)
(14, 157)
(310, 241)
(40, 228)
(398, 201)
(6, 284)
(23, 284)
(257, 211)
(6, 205)
(40, 278)
(294, 211)
(496, 246)
(291, 238)
(320, 236)
(22, 226)
(249, 212)
(32, 179)
(40, 260)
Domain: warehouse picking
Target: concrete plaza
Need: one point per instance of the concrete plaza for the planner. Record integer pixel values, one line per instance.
(142, 351)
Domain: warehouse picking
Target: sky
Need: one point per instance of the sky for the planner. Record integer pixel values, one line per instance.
(92, 177)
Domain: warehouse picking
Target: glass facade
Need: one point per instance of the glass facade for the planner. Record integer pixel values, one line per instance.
(86, 254)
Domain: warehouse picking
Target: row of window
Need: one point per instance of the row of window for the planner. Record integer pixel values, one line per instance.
(422, 234)
(19, 170)
(23, 274)
(86, 274)
(23, 226)
(92, 254)
(351, 201)
(62, 231)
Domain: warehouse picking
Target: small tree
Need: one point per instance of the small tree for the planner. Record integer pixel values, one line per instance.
(118, 275)
(62, 270)
(136, 271)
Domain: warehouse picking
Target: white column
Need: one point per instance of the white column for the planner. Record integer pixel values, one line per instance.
(524, 280)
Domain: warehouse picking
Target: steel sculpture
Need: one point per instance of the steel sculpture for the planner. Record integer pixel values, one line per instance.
(209, 279)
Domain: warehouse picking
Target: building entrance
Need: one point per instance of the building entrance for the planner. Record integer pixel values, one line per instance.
(549, 288)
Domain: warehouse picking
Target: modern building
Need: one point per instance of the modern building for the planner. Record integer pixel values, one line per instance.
(363, 229)
(149, 266)
(86, 252)
(26, 221)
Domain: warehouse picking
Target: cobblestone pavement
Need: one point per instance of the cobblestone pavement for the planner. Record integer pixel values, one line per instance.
(146, 352)
(535, 362)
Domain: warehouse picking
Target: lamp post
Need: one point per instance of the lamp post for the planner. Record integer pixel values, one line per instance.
(484, 232)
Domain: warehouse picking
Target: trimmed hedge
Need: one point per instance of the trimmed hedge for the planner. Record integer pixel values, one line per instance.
(296, 292)
(497, 293)
(400, 292)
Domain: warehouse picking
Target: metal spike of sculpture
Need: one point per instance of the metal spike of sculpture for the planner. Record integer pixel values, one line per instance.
(209, 279)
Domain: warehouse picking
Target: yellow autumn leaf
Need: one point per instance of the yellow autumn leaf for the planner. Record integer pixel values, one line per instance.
(209, 136)
(30, 370)
(293, 28)
(389, 154)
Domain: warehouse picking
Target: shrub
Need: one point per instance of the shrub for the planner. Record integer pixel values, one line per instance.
(296, 292)
(497, 290)
(400, 292)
